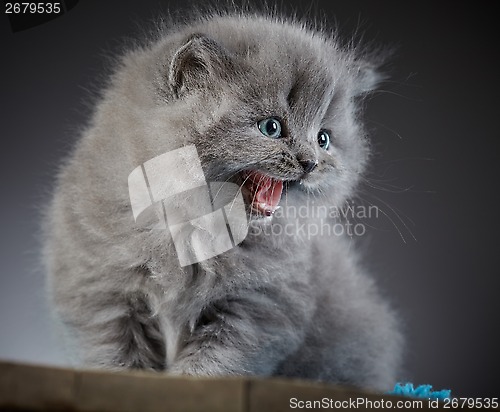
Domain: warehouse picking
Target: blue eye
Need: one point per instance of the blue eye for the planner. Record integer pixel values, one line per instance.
(323, 139)
(270, 127)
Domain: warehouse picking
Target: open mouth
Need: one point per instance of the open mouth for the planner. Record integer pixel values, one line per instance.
(262, 192)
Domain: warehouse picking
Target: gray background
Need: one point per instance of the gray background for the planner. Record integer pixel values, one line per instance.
(435, 127)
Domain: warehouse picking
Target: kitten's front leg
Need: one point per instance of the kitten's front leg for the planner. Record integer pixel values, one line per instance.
(113, 330)
(240, 336)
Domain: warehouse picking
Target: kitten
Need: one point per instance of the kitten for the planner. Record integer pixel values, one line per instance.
(272, 107)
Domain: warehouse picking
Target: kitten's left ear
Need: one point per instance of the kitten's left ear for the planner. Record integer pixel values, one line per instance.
(196, 63)
(366, 79)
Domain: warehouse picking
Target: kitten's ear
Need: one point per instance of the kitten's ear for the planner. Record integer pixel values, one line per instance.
(196, 63)
(367, 78)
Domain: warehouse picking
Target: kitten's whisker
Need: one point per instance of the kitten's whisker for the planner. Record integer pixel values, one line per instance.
(225, 181)
(239, 191)
(386, 127)
(398, 214)
(391, 92)
(395, 212)
(390, 188)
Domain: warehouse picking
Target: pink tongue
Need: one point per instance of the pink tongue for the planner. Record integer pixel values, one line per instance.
(267, 192)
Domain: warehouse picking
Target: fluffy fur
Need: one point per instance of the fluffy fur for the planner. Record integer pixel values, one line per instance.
(274, 305)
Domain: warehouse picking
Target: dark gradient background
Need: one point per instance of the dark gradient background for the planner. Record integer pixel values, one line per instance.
(435, 127)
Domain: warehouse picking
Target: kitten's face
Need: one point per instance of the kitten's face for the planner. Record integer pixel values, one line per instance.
(273, 118)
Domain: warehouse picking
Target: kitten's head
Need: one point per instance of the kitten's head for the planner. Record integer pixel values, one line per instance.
(271, 106)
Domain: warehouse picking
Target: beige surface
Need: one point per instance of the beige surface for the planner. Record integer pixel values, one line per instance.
(37, 388)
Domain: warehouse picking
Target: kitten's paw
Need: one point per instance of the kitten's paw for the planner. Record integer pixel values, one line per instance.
(187, 368)
(195, 367)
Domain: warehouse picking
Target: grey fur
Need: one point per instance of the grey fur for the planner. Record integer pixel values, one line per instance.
(274, 305)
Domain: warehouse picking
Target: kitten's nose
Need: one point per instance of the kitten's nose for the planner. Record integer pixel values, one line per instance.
(308, 165)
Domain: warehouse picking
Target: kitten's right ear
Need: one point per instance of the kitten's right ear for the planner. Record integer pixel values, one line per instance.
(196, 63)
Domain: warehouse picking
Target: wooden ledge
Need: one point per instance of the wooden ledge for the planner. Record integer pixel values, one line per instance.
(40, 388)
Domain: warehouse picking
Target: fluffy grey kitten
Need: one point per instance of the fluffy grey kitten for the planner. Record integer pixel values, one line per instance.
(273, 107)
